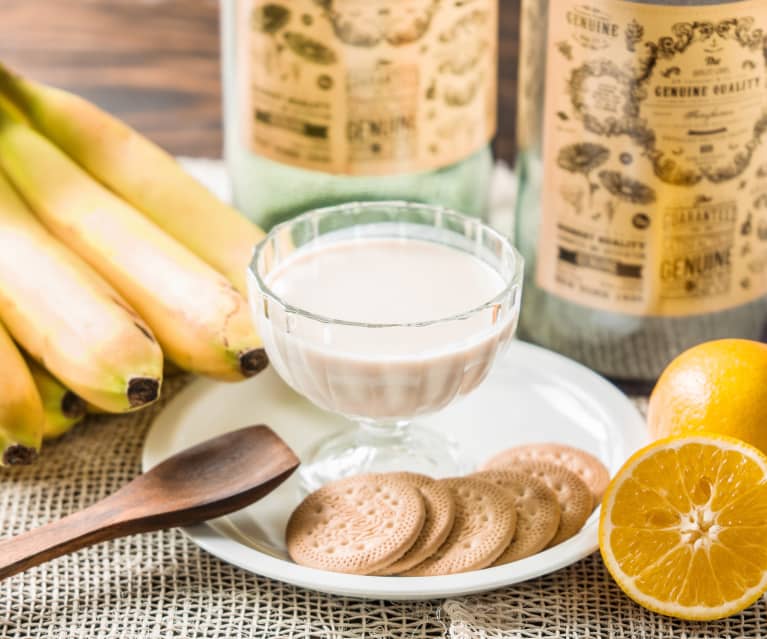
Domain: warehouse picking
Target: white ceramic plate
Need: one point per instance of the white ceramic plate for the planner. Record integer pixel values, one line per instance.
(532, 395)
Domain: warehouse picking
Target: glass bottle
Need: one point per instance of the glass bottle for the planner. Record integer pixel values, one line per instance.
(328, 101)
(642, 210)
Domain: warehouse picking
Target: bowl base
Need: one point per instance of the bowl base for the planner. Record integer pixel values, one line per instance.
(366, 449)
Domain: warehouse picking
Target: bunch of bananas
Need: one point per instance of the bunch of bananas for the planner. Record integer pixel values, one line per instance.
(111, 258)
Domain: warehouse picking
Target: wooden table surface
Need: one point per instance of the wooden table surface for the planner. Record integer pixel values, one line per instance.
(155, 63)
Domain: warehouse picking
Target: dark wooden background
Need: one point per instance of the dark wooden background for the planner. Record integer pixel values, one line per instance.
(155, 62)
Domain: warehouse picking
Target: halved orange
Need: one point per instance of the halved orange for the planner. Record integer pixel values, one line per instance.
(683, 529)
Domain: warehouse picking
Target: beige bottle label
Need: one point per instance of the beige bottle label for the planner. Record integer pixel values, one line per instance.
(655, 178)
(368, 87)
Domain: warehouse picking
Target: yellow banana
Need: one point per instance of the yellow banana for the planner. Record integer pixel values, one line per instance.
(21, 411)
(202, 323)
(141, 173)
(68, 318)
(62, 408)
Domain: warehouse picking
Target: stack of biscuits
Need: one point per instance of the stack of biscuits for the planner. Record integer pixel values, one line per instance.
(522, 501)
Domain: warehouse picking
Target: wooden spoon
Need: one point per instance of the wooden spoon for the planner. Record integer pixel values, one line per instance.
(211, 479)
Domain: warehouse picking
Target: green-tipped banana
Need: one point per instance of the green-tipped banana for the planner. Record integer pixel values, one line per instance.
(62, 408)
(141, 172)
(202, 323)
(21, 411)
(68, 318)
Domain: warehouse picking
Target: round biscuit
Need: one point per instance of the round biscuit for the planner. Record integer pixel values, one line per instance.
(588, 467)
(574, 497)
(538, 512)
(357, 525)
(440, 515)
(484, 525)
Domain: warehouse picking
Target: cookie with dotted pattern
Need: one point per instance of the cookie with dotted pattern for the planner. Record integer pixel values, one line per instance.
(588, 467)
(538, 512)
(440, 515)
(358, 525)
(574, 497)
(484, 525)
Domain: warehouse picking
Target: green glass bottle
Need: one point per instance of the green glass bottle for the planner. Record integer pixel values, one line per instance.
(330, 101)
(642, 210)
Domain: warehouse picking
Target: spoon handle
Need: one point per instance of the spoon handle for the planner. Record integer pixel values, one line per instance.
(102, 521)
(203, 482)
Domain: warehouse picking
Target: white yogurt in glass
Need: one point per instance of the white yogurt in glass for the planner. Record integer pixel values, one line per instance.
(401, 334)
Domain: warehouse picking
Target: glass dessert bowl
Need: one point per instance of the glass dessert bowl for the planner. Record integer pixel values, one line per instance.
(384, 312)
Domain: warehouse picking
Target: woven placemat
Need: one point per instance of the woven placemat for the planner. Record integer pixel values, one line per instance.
(162, 585)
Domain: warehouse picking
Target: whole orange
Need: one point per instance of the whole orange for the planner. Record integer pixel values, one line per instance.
(718, 387)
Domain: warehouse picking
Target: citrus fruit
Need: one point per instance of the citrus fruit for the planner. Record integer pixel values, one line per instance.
(718, 387)
(683, 529)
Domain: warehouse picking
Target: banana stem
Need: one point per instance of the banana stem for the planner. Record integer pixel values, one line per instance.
(73, 406)
(18, 455)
